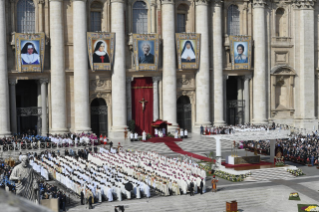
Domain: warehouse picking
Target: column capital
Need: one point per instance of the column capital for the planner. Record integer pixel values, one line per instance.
(129, 79)
(157, 78)
(202, 2)
(168, 1)
(247, 76)
(41, 1)
(217, 3)
(13, 81)
(56, 0)
(259, 3)
(153, 3)
(303, 4)
(79, 0)
(118, 1)
(44, 80)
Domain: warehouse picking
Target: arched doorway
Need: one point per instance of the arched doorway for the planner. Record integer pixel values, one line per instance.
(184, 113)
(99, 116)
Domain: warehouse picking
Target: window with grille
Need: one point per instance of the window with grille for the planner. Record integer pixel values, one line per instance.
(95, 20)
(25, 16)
(140, 17)
(233, 20)
(181, 23)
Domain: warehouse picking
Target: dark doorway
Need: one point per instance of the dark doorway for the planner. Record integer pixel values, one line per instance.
(235, 102)
(28, 113)
(184, 113)
(99, 117)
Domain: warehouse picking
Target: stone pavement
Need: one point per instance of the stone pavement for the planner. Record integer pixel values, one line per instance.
(269, 196)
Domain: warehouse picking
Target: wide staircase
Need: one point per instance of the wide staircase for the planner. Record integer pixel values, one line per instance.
(270, 174)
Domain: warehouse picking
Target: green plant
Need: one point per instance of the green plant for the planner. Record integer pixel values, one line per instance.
(131, 125)
(148, 136)
(211, 163)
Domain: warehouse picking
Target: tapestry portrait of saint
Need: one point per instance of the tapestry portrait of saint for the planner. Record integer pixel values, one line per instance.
(240, 51)
(146, 52)
(188, 53)
(30, 52)
(100, 54)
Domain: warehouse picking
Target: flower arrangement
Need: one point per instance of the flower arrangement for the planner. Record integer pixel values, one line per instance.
(294, 196)
(295, 172)
(308, 207)
(279, 163)
(231, 177)
(312, 208)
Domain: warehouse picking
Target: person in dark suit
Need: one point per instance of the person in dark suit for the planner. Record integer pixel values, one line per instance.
(200, 188)
(90, 202)
(147, 57)
(82, 197)
(191, 189)
(111, 144)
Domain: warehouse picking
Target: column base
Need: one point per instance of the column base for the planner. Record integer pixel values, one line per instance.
(83, 129)
(117, 132)
(219, 123)
(59, 131)
(5, 134)
(44, 133)
(259, 122)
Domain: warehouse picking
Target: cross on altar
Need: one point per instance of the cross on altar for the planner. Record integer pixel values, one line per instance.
(143, 101)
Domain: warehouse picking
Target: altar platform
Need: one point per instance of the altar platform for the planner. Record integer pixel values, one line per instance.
(242, 167)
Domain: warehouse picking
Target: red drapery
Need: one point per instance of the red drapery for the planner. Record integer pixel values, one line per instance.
(142, 88)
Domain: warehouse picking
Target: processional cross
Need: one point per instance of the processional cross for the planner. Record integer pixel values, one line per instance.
(143, 101)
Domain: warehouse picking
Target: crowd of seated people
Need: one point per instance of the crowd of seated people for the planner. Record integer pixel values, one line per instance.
(298, 148)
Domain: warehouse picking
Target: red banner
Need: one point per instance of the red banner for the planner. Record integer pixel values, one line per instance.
(142, 104)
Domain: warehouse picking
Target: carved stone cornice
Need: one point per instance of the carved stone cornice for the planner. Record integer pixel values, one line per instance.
(202, 2)
(303, 4)
(168, 1)
(259, 3)
(217, 3)
(118, 1)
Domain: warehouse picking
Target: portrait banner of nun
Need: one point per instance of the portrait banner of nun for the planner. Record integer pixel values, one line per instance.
(188, 49)
(101, 50)
(240, 52)
(30, 50)
(146, 52)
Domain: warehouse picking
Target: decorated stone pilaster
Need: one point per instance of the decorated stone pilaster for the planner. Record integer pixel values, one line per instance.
(260, 71)
(119, 111)
(202, 75)
(44, 84)
(58, 82)
(304, 61)
(13, 105)
(217, 28)
(169, 63)
(246, 97)
(81, 73)
(155, 98)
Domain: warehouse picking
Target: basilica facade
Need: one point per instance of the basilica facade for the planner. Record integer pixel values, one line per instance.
(251, 61)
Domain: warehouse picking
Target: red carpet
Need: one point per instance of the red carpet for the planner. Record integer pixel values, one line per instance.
(246, 164)
(174, 147)
(164, 139)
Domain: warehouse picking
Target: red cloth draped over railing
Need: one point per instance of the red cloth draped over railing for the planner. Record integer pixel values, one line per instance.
(142, 88)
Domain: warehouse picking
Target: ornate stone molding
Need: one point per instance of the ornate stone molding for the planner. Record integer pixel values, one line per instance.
(217, 3)
(259, 3)
(117, 1)
(202, 2)
(156, 79)
(44, 80)
(100, 84)
(104, 95)
(13, 81)
(303, 4)
(168, 1)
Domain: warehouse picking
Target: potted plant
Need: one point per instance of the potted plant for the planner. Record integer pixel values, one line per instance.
(209, 165)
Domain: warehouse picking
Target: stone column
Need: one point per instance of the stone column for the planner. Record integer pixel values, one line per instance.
(119, 72)
(239, 99)
(219, 116)
(169, 63)
(40, 9)
(224, 98)
(129, 97)
(259, 86)
(13, 105)
(44, 130)
(153, 16)
(155, 98)
(4, 88)
(202, 75)
(246, 98)
(58, 86)
(306, 59)
(82, 117)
